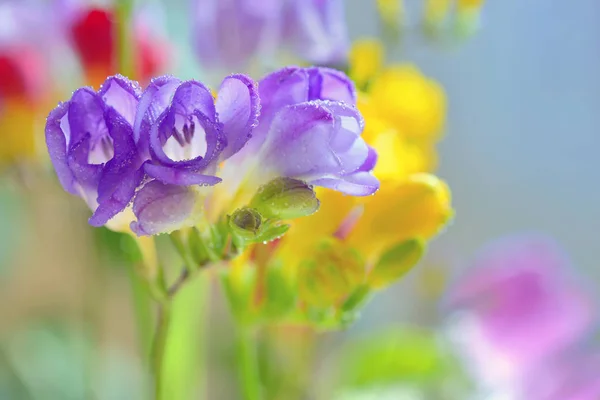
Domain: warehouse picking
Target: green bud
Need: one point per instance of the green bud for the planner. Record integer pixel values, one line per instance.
(285, 198)
(245, 223)
(396, 262)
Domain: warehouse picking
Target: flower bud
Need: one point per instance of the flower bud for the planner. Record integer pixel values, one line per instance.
(285, 198)
(396, 262)
(245, 223)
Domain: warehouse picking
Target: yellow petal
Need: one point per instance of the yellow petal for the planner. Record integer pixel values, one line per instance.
(307, 232)
(366, 60)
(418, 207)
(18, 126)
(409, 101)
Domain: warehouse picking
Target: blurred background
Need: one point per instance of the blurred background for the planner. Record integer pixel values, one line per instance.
(519, 154)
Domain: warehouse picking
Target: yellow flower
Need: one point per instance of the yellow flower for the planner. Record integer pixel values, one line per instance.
(419, 206)
(398, 155)
(17, 130)
(409, 101)
(365, 60)
(469, 4)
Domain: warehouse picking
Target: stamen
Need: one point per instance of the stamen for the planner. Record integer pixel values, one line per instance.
(188, 132)
(178, 136)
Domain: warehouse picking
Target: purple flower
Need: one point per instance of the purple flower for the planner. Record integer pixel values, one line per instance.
(316, 30)
(90, 141)
(183, 134)
(160, 150)
(309, 129)
(234, 34)
(229, 33)
(517, 308)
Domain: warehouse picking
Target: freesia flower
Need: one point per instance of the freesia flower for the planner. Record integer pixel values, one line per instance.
(160, 149)
(518, 308)
(90, 142)
(241, 34)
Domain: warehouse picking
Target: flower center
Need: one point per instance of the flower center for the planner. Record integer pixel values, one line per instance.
(101, 150)
(186, 141)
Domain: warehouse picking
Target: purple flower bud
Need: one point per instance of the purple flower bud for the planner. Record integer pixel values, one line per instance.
(90, 141)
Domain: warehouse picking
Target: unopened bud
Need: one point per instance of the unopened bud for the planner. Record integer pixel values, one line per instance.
(245, 222)
(285, 198)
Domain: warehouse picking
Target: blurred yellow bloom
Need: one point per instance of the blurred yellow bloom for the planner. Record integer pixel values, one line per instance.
(404, 113)
(17, 129)
(366, 60)
(410, 101)
(436, 11)
(391, 14)
(469, 4)
(420, 207)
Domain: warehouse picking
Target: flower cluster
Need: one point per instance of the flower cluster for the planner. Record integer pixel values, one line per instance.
(332, 261)
(172, 156)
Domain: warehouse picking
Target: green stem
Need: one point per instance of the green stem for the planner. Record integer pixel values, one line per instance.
(247, 360)
(142, 304)
(124, 48)
(159, 346)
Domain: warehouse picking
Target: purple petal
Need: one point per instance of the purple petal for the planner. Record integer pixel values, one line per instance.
(56, 141)
(154, 101)
(87, 176)
(317, 30)
(86, 117)
(121, 94)
(330, 84)
(238, 107)
(309, 141)
(161, 208)
(356, 184)
(294, 85)
(179, 176)
(121, 175)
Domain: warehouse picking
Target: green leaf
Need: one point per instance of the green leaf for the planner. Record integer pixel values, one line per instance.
(396, 262)
(394, 356)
